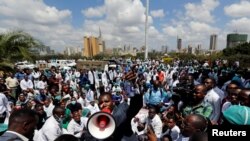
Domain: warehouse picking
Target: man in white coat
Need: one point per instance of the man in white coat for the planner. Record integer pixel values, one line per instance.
(77, 125)
(154, 121)
(104, 79)
(91, 78)
(52, 128)
(48, 107)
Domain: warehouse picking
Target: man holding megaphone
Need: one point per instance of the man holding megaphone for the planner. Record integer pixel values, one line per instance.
(113, 122)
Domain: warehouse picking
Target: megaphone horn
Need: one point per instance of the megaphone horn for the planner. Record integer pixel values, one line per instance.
(101, 125)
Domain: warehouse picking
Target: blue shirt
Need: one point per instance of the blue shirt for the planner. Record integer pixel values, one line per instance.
(154, 97)
(19, 75)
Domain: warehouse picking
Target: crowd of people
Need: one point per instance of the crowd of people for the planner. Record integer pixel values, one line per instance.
(149, 100)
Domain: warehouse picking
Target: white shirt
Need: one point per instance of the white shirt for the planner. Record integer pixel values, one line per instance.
(96, 79)
(11, 82)
(36, 75)
(214, 99)
(22, 137)
(4, 105)
(82, 101)
(175, 133)
(76, 129)
(93, 109)
(49, 109)
(156, 124)
(142, 119)
(111, 75)
(175, 83)
(41, 84)
(90, 96)
(219, 92)
(104, 79)
(50, 130)
(91, 77)
(26, 84)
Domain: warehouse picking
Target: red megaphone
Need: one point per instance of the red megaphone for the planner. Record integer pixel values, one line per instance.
(103, 120)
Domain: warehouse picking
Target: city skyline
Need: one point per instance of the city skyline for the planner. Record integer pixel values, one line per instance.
(61, 24)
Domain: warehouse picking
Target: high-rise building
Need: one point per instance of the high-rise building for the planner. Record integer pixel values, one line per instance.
(179, 44)
(198, 49)
(236, 39)
(93, 45)
(164, 48)
(190, 49)
(213, 42)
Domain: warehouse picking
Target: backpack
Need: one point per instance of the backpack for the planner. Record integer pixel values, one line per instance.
(150, 92)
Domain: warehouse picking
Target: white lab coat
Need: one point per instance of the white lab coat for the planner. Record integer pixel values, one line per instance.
(82, 101)
(90, 96)
(93, 109)
(214, 99)
(50, 130)
(91, 77)
(104, 79)
(97, 84)
(76, 129)
(49, 109)
(156, 124)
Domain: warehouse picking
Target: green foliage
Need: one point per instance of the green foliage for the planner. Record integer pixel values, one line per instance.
(239, 53)
(241, 49)
(155, 55)
(16, 45)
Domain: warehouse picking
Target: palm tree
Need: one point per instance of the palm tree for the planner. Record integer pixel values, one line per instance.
(16, 45)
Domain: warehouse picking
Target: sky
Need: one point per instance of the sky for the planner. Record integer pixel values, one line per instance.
(64, 23)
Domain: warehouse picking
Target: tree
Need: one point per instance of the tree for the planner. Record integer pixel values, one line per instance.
(240, 49)
(239, 53)
(16, 46)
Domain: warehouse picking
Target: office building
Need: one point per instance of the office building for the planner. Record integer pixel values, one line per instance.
(213, 42)
(236, 39)
(93, 45)
(179, 44)
(190, 49)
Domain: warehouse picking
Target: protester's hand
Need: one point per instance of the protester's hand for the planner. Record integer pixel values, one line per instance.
(125, 97)
(151, 135)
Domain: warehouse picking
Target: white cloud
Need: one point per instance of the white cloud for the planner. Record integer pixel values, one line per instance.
(132, 29)
(48, 24)
(170, 30)
(201, 12)
(157, 13)
(194, 25)
(241, 9)
(94, 12)
(33, 11)
(240, 25)
(202, 28)
(123, 23)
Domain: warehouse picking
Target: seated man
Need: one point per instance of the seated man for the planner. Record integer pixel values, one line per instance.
(77, 125)
(22, 101)
(74, 106)
(26, 84)
(52, 128)
(41, 96)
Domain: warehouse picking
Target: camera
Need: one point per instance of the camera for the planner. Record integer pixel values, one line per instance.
(184, 92)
